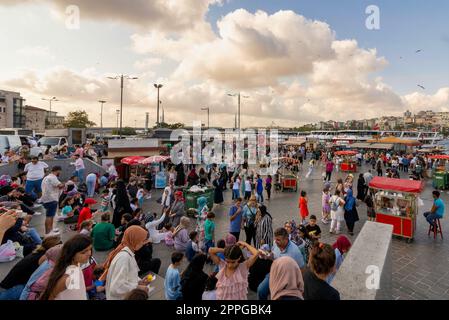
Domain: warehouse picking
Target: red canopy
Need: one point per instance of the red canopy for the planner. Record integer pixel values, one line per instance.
(346, 153)
(404, 185)
(134, 160)
(440, 157)
(154, 159)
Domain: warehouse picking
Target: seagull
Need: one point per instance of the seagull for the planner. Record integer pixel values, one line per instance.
(418, 51)
(421, 87)
(400, 57)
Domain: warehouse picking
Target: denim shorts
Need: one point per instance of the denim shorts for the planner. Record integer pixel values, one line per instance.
(33, 185)
(51, 208)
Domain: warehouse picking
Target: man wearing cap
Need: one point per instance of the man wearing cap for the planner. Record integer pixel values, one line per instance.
(51, 187)
(35, 174)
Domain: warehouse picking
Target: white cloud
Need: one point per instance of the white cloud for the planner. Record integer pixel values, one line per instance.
(147, 63)
(36, 52)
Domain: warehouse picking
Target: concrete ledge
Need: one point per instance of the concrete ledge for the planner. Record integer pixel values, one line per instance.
(366, 272)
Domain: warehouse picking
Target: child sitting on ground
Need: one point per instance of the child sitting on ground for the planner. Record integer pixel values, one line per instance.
(168, 229)
(140, 195)
(192, 246)
(86, 227)
(211, 288)
(125, 219)
(67, 209)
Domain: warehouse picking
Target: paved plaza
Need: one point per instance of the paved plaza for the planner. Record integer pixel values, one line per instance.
(420, 268)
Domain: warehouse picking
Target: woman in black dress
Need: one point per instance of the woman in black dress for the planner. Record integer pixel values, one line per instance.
(180, 175)
(361, 188)
(122, 203)
(218, 183)
(193, 279)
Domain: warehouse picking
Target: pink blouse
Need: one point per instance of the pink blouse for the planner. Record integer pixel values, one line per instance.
(236, 286)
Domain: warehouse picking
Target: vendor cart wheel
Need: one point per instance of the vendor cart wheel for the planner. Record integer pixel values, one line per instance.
(409, 240)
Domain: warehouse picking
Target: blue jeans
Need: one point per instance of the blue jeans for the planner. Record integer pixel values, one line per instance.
(208, 244)
(34, 235)
(260, 196)
(235, 194)
(80, 175)
(12, 293)
(90, 186)
(430, 217)
(33, 186)
(263, 290)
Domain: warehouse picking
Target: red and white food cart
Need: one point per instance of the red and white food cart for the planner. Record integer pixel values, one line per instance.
(348, 164)
(395, 203)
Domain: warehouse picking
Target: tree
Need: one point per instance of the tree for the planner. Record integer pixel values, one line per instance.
(126, 131)
(173, 126)
(78, 119)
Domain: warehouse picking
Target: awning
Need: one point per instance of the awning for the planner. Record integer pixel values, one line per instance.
(404, 185)
(361, 145)
(134, 160)
(440, 157)
(346, 153)
(294, 142)
(364, 145)
(395, 140)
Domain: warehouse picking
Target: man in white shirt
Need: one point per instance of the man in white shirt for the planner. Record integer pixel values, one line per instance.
(79, 167)
(35, 173)
(167, 196)
(51, 189)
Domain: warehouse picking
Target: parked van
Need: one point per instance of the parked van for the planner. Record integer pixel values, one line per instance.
(8, 142)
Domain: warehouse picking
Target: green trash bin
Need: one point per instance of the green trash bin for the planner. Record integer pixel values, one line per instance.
(191, 198)
(440, 180)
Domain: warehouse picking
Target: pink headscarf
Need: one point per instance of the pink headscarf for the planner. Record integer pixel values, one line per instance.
(286, 279)
(230, 240)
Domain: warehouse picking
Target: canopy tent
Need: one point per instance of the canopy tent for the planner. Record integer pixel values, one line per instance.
(440, 157)
(395, 140)
(132, 161)
(346, 153)
(363, 145)
(154, 159)
(294, 142)
(404, 185)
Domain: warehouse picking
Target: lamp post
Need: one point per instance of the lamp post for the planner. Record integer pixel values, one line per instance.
(239, 99)
(208, 110)
(118, 113)
(121, 77)
(158, 87)
(101, 118)
(50, 100)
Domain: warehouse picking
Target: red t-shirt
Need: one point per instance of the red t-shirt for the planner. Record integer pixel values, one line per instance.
(85, 214)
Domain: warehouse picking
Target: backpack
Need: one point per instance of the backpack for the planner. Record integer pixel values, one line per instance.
(334, 203)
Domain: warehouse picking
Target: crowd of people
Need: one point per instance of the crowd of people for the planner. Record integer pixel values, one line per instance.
(107, 214)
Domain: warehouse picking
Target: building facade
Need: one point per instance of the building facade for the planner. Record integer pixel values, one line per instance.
(35, 118)
(12, 113)
(53, 121)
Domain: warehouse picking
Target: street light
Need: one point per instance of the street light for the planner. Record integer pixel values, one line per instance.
(50, 100)
(208, 110)
(239, 98)
(121, 77)
(118, 113)
(158, 87)
(101, 121)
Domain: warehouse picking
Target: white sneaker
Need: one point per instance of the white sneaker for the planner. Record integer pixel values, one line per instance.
(55, 230)
(37, 213)
(52, 233)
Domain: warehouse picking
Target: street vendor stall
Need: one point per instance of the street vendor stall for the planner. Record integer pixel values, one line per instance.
(395, 203)
(129, 165)
(440, 172)
(192, 194)
(156, 163)
(287, 180)
(348, 164)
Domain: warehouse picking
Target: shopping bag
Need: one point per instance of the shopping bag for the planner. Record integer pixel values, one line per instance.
(7, 251)
(420, 202)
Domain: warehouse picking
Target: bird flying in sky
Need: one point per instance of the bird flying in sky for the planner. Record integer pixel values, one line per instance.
(421, 87)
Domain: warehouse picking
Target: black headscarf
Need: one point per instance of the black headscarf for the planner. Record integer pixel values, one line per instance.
(193, 279)
(122, 203)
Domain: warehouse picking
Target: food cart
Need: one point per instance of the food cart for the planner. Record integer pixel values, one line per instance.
(191, 197)
(160, 175)
(440, 172)
(129, 165)
(348, 164)
(287, 179)
(395, 203)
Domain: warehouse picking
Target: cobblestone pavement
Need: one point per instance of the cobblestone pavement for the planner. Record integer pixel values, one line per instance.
(420, 268)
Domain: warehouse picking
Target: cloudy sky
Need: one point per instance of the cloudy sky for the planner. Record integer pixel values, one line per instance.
(298, 61)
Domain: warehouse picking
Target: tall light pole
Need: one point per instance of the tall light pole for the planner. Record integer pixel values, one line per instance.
(50, 100)
(158, 87)
(118, 114)
(121, 77)
(238, 110)
(101, 118)
(208, 110)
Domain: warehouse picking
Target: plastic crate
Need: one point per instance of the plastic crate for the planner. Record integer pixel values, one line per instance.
(191, 198)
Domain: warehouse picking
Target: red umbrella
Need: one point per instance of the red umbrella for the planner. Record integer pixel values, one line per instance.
(440, 157)
(346, 153)
(154, 159)
(134, 160)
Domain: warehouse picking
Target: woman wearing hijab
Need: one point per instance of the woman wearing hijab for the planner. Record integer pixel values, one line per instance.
(181, 235)
(219, 184)
(180, 175)
(177, 209)
(121, 270)
(193, 179)
(341, 247)
(193, 279)
(286, 281)
(264, 227)
(39, 279)
(122, 205)
(361, 188)
(351, 215)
